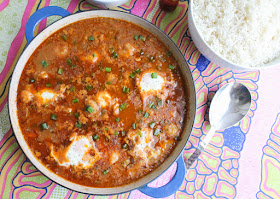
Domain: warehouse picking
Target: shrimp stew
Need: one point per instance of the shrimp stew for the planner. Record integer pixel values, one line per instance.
(101, 102)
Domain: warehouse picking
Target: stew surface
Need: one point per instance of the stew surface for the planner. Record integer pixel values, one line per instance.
(101, 102)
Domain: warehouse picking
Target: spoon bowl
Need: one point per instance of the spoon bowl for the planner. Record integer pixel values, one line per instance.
(229, 105)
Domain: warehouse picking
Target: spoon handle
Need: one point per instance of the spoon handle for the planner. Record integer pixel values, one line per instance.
(201, 147)
(194, 157)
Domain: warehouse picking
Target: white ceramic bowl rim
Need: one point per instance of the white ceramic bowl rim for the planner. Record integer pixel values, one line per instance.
(107, 3)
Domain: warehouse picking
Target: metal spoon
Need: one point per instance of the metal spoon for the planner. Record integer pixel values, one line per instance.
(229, 105)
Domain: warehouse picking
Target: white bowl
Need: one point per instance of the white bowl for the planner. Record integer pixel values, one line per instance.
(207, 51)
(107, 3)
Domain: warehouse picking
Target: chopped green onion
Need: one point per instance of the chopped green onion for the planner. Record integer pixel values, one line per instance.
(152, 124)
(138, 71)
(32, 80)
(142, 38)
(94, 54)
(89, 87)
(77, 115)
(168, 53)
(64, 37)
(154, 75)
(132, 75)
(44, 126)
(140, 134)
(69, 61)
(156, 132)
(53, 116)
(123, 106)
(124, 146)
(46, 105)
(106, 129)
(123, 133)
(135, 37)
(116, 133)
(105, 171)
(171, 67)
(140, 111)
(59, 71)
(154, 107)
(48, 85)
(75, 100)
(95, 137)
(115, 55)
(78, 124)
(159, 102)
(107, 69)
(44, 64)
(151, 104)
(72, 88)
(109, 83)
(134, 126)
(91, 38)
(125, 89)
(146, 115)
(117, 119)
(89, 109)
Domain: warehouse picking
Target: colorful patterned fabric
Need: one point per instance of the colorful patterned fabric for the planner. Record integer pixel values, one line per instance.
(240, 162)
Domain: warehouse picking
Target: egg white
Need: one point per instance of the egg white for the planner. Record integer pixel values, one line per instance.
(77, 153)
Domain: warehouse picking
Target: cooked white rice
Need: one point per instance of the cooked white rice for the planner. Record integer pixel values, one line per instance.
(245, 32)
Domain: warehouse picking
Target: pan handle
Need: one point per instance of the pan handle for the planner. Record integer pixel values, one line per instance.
(39, 16)
(171, 187)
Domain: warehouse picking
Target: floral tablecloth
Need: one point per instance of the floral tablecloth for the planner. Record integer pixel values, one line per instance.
(240, 162)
